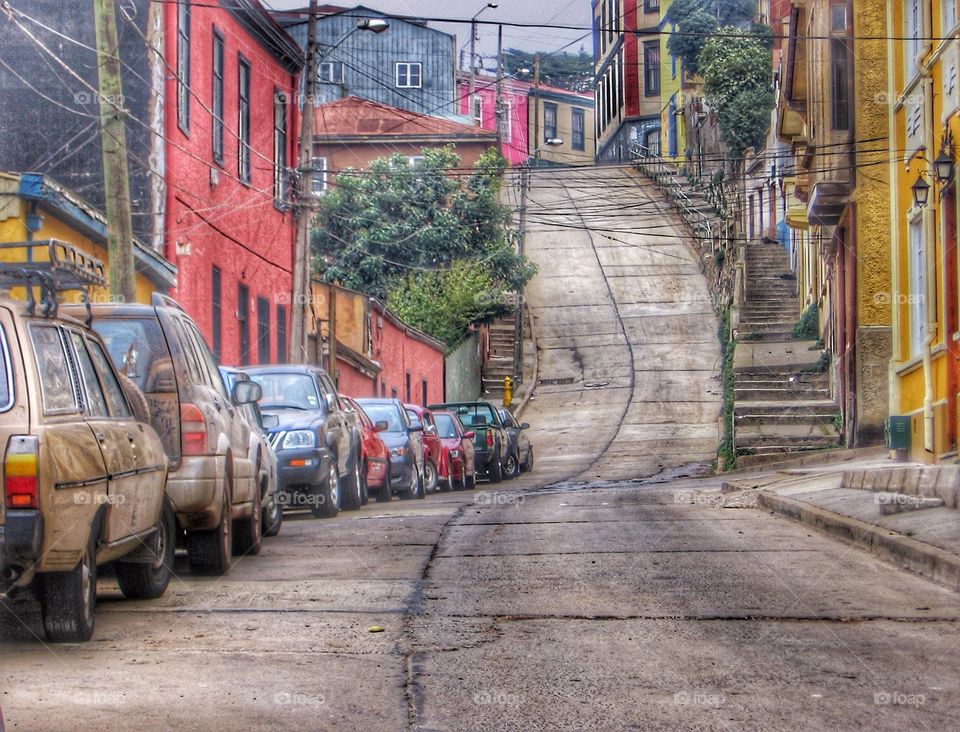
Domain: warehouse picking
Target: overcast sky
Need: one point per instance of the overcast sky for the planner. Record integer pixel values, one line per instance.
(542, 12)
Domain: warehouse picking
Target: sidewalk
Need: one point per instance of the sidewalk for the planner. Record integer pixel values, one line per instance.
(903, 513)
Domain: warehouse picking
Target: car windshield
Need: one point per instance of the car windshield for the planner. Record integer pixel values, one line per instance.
(287, 391)
(139, 351)
(476, 415)
(385, 413)
(446, 427)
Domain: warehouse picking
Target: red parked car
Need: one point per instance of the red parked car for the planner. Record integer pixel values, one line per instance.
(457, 466)
(432, 450)
(376, 456)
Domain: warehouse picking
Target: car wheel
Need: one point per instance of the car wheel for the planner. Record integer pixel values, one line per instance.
(328, 504)
(272, 514)
(149, 580)
(209, 552)
(528, 466)
(421, 491)
(430, 477)
(385, 494)
(353, 489)
(415, 489)
(457, 485)
(495, 473)
(68, 600)
(512, 469)
(247, 533)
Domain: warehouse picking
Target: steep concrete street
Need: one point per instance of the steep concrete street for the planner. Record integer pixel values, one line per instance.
(585, 595)
(629, 356)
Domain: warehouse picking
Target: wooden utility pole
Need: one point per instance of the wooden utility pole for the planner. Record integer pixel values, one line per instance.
(301, 249)
(498, 102)
(536, 106)
(332, 332)
(113, 140)
(473, 59)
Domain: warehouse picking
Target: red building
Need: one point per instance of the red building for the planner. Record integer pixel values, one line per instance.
(411, 362)
(353, 132)
(230, 123)
(378, 355)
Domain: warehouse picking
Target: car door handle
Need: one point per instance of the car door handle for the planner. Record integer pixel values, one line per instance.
(131, 437)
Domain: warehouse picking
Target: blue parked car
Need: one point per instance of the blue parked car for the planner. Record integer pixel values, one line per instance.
(403, 438)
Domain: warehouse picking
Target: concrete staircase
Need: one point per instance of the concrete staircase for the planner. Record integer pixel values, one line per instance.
(770, 311)
(501, 361)
(782, 404)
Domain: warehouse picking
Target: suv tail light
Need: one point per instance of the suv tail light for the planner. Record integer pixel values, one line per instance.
(20, 472)
(193, 430)
(490, 439)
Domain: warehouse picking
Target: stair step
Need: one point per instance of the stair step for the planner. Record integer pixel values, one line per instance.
(779, 395)
(784, 441)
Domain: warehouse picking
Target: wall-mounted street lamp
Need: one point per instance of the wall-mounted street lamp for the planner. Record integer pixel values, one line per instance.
(921, 192)
(943, 167)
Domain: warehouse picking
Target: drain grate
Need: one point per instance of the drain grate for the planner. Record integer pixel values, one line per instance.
(555, 382)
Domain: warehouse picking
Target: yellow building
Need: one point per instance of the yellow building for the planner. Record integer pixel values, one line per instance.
(834, 116)
(34, 208)
(566, 119)
(673, 145)
(923, 101)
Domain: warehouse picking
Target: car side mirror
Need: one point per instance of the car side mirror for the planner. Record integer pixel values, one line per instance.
(330, 400)
(525, 426)
(382, 426)
(469, 435)
(417, 427)
(431, 430)
(270, 421)
(246, 392)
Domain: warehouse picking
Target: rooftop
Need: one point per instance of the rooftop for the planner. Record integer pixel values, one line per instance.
(353, 117)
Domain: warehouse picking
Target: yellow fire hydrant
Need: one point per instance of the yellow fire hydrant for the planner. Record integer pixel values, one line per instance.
(507, 391)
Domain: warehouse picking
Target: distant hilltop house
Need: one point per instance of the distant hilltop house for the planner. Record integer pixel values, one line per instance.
(409, 66)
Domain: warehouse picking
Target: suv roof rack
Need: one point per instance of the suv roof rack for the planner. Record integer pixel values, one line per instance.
(160, 300)
(54, 266)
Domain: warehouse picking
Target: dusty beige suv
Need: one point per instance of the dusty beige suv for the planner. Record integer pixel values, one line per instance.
(83, 480)
(213, 477)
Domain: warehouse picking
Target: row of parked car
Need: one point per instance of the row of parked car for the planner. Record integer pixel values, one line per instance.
(124, 439)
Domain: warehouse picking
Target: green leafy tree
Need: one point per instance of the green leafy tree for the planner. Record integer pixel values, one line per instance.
(689, 36)
(725, 12)
(377, 229)
(445, 303)
(562, 70)
(737, 72)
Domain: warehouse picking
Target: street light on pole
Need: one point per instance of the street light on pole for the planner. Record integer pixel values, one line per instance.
(473, 47)
(521, 245)
(304, 207)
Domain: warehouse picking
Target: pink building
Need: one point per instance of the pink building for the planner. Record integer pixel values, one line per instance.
(482, 105)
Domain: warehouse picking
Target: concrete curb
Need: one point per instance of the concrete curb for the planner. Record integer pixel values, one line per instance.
(916, 556)
(533, 377)
(813, 457)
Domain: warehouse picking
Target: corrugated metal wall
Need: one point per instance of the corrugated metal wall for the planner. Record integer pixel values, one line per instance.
(370, 60)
